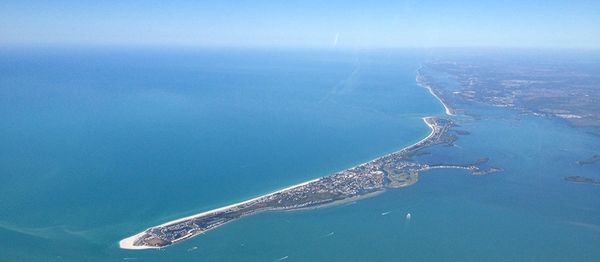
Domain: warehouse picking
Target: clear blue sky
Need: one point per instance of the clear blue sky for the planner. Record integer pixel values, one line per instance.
(362, 24)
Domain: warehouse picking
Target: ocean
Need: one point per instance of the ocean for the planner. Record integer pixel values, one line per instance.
(99, 144)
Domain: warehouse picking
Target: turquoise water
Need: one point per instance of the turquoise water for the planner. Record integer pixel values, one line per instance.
(101, 144)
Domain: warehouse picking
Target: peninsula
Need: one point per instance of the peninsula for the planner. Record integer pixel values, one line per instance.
(394, 170)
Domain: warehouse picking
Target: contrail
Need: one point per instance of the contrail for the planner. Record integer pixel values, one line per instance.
(336, 38)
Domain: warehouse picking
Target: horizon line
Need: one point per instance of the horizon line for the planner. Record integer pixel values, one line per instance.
(276, 47)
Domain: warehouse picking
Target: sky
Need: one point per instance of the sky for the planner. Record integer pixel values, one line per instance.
(304, 24)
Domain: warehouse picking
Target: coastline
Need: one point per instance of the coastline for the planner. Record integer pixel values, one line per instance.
(335, 203)
(236, 204)
(431, 126)
(128, 243)
(448, 110)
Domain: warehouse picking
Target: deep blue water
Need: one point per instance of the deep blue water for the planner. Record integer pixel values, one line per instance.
(99, 144)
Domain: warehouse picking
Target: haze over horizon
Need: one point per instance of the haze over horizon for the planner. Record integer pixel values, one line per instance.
(305, 24)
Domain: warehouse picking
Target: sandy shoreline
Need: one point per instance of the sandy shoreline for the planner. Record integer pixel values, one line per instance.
(447, 109)
(127, 243)
(236, 204)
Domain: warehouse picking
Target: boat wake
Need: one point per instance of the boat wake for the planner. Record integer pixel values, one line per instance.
(328, 234)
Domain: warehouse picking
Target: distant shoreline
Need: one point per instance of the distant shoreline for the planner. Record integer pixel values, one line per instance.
(448, 110)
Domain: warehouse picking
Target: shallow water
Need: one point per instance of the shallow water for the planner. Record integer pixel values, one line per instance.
(101, 144)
